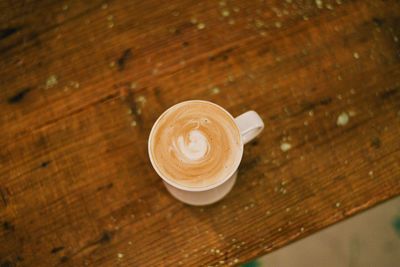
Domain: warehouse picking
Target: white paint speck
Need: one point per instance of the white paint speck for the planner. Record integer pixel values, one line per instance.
(285, 147)
(215, 90)
(225, 13)
(319, 3)
(371, 173)
(193, 20)
(302, 229)
(337, 204)
(352, 113)
(133, 85)
(120, 255)
(356, 55)
(201, 26)
(51, 81)
(342, 119)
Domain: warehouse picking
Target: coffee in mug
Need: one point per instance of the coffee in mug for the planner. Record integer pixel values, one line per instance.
(196, 147)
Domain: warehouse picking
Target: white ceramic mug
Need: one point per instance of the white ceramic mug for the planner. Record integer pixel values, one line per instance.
(249, 125)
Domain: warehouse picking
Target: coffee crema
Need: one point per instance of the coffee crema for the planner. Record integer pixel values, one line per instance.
(195, 144)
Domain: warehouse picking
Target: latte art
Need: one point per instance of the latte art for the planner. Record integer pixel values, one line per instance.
(193, 150)
(195, 144)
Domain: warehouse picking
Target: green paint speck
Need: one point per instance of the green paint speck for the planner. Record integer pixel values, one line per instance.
(396, 224)
(252, 264)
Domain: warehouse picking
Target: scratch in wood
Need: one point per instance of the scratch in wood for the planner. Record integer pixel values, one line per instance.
(64, 259)
(4, 196)
(325, 101)
(254, 143)
(121, 61)
(106, 237)
(309, 106)
(378, 21)
(8, 226)
(159, 98)
(4, 33)
(180, 28)
(30, 37)
(45, 164)
(250, 164)
(376, 142)
(56, 249)
(340, 177)
(388, 93)
(107, 186)
(223, 55)
(19, 96)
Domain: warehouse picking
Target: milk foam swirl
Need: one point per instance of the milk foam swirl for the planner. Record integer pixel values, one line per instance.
(196, 143)
(194, 149)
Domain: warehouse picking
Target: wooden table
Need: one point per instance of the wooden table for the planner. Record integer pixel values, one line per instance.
(82, 82)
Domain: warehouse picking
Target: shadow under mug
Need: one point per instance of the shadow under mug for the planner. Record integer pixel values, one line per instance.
(250, 126)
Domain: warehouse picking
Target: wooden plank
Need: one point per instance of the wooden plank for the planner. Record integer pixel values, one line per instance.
(82, 84)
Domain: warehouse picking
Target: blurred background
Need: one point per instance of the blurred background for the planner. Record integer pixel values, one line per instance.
(368, 239)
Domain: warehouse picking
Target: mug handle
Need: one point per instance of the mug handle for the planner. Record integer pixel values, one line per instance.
(250, 125)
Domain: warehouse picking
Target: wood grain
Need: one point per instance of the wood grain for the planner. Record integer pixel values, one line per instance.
(82, 82)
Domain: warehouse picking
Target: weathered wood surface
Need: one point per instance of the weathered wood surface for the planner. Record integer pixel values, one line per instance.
(82, 82)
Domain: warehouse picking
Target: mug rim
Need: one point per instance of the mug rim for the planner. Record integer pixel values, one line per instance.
(176, 184)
